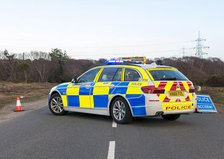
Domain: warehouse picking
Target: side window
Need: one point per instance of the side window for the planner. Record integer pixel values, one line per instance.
(88, 76)
(107, 74)
(117, 76)
(131, 75)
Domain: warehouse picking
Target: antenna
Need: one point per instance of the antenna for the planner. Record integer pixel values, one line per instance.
(199, 47)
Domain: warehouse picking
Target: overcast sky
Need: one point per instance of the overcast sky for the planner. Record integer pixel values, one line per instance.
(112, 28)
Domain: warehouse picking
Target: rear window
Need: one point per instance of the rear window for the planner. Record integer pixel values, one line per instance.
(166, 75)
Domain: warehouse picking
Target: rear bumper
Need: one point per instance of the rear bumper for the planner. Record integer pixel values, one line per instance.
(155, 108)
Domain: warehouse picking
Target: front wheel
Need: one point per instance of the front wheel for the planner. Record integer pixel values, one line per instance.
(120, 111)
(171, 117)
(56, 105)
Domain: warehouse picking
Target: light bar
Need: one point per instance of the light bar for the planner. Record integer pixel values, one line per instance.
(126, 60)
(114, 61)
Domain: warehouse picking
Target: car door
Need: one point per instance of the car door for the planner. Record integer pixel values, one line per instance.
(105, 84)
(134, 94)
(78, 94)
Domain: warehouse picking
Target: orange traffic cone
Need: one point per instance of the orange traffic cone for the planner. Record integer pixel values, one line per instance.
(18, 105)
(196, 110)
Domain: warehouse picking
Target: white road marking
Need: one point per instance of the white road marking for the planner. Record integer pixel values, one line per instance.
(114, 124)
(111, 150)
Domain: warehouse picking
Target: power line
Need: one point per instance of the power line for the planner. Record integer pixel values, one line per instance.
(199, 47)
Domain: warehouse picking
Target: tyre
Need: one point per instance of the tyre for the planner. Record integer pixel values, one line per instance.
(171, 117)
(56, 105)
(120, 111)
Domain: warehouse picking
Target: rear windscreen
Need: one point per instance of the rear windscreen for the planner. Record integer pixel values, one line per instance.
(164, 75)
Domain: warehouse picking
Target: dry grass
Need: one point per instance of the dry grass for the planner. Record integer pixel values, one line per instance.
(32, 91)
(216, 93)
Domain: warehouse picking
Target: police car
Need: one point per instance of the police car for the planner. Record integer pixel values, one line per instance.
(124, 91)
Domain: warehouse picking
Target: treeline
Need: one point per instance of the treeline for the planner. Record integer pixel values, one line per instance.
(57, 66)
(204, 72)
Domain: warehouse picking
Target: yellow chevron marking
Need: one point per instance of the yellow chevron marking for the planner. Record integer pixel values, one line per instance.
(156, 84)
(162, 97)
(168, 86)
(186, 87)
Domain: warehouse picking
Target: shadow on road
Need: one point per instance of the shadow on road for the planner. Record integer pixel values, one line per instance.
(158, 121)
(138, 121)
(92, 117)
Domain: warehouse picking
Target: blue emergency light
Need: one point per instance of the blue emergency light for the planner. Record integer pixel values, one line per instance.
(120, 61)
(115, 61)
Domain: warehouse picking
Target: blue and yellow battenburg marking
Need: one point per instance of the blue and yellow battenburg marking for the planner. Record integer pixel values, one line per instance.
(98, 95)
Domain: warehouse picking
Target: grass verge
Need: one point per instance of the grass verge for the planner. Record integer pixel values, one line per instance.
(31, 91)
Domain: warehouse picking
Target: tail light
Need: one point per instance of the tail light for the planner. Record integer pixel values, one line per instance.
(191, 89)
(152, 90)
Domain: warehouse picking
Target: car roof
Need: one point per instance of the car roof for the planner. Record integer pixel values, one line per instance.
(144, 66)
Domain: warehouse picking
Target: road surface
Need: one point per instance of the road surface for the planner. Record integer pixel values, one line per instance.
(39, 134)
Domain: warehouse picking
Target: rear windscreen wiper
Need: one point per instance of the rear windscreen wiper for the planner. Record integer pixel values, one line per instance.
(173, 78)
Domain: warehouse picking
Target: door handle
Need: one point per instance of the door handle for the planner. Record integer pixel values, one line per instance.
(87, 86)
(111, 86)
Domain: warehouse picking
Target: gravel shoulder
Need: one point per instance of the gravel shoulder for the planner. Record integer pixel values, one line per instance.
(7, 112)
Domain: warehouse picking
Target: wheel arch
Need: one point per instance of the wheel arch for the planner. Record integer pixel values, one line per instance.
(55, 92)
(113, 98)
(52, 93)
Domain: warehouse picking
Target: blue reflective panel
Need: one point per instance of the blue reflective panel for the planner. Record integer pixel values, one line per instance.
(139, 111)
(84, 90)
(63, 85)
(62, 88)
(123, 84)
(120, 88)
(73, 101)
(62, 91)
(100, 101)
(136, 99)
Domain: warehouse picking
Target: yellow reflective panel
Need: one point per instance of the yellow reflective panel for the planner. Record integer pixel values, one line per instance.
(177, 106)
(86, 101)
(135, 87)
(64, 100)
(73, 90)
(101, 88)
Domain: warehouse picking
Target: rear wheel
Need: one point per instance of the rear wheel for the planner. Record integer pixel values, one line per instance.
(171, 117)
(56, 105)
(120, 111)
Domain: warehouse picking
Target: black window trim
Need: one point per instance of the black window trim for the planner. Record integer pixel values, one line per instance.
(136, 71)
(102, 72)
(113, 76)
(116, 73)
(87, 72)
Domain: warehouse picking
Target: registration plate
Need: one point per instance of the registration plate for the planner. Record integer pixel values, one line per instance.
(176, 93)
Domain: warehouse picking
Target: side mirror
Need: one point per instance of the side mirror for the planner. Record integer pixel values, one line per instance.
(75, 80)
